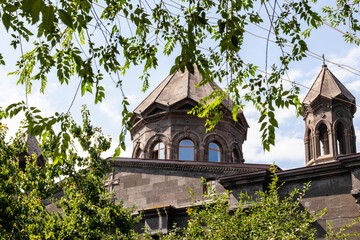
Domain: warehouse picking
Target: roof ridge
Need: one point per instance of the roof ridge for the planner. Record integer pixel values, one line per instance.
(168, 79)
(165, 85)
(340, 84)
(323, 78)
(312, 86)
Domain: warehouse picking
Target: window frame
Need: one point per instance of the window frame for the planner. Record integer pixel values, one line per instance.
(216, 150)
(193, 147)
(153, 150)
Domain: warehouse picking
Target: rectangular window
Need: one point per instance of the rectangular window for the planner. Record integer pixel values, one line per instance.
(210, 187)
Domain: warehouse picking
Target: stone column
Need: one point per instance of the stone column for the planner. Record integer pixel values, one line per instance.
(201, 152)
(347, 139)
(330, 143)
(170, 151)
(317, 145)
(307, 149)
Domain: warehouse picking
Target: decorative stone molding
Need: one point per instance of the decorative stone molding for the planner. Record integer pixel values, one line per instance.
(227, 168)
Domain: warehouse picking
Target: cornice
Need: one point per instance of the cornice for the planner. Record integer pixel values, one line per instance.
(259, 177)
(304, 174)
(193, 166)
(313, 172)
(350, 161)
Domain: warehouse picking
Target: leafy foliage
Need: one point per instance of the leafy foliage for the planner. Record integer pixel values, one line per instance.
(65, 37)
(86, 209)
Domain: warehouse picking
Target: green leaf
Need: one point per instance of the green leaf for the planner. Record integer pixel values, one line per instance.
(35, 10)
(6, 20)
(190, 67)
(273, 122)
(262, 118)
(66, 18)
(271, 114)
(234, 41)
(263, 125)
(173, 69)
(48, 18)
(66, 137)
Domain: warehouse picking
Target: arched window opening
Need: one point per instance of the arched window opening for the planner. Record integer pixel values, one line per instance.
(235, 155)
(158, 151)
(186, 150)
(324, 140)
(139, 153)
(340, 138)
(214, 152)
(309, 146)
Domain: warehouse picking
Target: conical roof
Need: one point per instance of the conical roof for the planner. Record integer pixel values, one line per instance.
(177, 87)
(327, 85)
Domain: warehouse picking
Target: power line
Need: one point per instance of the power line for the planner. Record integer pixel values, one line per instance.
(284, 79)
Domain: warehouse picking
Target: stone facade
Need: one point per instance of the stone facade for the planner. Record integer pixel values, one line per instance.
(160, 189)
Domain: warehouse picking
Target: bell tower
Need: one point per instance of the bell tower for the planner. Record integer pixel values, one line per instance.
(328, 111)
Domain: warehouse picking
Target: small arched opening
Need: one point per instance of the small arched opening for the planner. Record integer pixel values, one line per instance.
(235, 156)
(340, 138)
(324, 140)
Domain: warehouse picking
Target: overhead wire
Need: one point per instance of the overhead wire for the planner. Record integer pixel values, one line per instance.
(312, 54)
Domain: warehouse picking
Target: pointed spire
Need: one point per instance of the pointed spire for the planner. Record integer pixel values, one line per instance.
(327, 85)
(177, 87)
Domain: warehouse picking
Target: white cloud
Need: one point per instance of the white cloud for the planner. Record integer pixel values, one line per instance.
(288, 151)
(111, 108)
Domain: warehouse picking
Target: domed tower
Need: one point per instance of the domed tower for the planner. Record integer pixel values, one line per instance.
(162, 129)
(328, 111)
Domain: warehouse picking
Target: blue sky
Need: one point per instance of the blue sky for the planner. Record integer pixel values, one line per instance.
(289, 150)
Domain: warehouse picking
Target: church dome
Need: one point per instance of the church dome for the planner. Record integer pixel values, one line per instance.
(162, 129)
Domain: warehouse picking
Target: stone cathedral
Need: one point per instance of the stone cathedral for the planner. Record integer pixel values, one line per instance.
(172, 153)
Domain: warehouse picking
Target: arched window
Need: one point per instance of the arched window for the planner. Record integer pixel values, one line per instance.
(340, 139)
(235, 156)
(214, 152)
(158, 151)
(324, 140)
(186, 150)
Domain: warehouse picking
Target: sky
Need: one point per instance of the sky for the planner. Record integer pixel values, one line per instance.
(289, 150)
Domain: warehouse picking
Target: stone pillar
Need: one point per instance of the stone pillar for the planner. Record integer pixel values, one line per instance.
(170, 151)
(330, 144)
(307, 149)
(201, 152)
(317, 145)
(347, 139)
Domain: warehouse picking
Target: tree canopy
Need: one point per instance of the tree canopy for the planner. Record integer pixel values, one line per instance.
(64, 38)
(86, 209)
